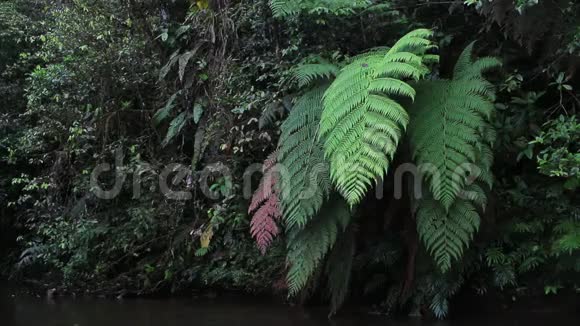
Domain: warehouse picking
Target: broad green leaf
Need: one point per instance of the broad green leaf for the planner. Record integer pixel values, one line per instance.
(197, 112)
(164, 112)
(175, 128)
(183, 60)
(165, 69)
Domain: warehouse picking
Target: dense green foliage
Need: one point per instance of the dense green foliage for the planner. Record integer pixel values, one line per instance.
(403, 164)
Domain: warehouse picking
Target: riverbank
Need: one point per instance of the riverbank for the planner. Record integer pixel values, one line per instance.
(474, 310)
(21, 308)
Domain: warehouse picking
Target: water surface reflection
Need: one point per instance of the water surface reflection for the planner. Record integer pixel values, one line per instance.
(25, 310)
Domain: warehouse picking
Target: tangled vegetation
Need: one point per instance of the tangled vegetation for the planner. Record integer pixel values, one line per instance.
(412, 150)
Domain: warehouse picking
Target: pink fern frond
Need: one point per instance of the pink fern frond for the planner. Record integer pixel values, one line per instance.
(267, 184)
(265, 190)
(264, 228)
(270, 161)
(265, 205)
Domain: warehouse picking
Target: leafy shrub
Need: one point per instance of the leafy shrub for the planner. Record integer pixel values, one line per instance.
(560, 154)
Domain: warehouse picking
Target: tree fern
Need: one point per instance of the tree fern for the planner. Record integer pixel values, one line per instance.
(362, 121)
(305, 183)
(450, 132)
(307, 247)
(265, 207)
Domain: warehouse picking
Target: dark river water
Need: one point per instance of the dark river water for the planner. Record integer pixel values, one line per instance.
(26, 310)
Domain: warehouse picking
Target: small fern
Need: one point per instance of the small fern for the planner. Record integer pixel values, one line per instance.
(307, 247)
(305, 183)
(362, 121)
(568, 237)
(446, 232)
(265, 207)
(441, 288)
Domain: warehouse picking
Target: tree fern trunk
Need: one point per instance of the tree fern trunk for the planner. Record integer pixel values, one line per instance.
(411, 239)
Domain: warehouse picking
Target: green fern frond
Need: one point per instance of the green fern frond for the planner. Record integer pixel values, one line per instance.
(307, 74)
(451, 139)
(283, 8)
(504, 275)
(467, 68)
(305, 182)
(339, 268)
(275, 111)
(417, 42)
(568, 239)
(475, 194)
(464, 61)
(441, 288)
(484, 161)
(450, 132)
(362, 121)
(446, 233)
(494, 257)
(307, 247)
(530, 263)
